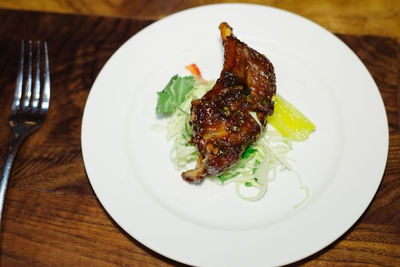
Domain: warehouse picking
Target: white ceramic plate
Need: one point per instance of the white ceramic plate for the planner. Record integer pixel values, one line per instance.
(342, 162)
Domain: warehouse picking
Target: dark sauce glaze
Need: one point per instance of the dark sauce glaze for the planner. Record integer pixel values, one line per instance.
(222, 127)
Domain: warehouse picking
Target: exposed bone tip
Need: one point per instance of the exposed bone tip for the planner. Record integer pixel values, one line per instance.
(197, 174)
(226, 30)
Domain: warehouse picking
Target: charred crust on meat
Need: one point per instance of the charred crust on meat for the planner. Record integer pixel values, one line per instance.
(222, 127)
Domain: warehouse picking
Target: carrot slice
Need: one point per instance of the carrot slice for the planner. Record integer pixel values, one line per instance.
(196, 72)
(193, 69)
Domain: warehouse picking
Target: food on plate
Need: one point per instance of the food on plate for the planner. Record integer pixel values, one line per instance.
(232, 115)
(222, 124)
(173, 94)
(289, 121)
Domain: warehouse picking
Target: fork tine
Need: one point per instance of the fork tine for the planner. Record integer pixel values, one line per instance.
(18, 88)
(36, 90)
(28, 85)
(46, 87)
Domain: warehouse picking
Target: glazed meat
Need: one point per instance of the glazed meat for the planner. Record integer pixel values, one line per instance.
(222, 126)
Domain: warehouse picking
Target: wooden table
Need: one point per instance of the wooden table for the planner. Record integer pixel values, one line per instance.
(52, 217)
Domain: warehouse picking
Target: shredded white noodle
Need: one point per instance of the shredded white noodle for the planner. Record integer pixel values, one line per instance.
(259, 164)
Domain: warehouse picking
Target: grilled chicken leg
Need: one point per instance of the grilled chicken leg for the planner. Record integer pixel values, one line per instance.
(222, 126)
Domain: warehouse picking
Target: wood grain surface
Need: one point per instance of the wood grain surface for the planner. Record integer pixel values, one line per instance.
(53, 218)
(373, 17)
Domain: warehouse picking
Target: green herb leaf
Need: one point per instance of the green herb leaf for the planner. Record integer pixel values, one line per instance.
(227, 175)
(248, 184)
(247, 153)
(174, 94)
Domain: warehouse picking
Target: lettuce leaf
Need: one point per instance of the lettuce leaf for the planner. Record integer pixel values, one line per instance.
(173, 94)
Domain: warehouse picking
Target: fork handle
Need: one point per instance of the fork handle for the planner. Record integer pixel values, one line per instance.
(13, 148)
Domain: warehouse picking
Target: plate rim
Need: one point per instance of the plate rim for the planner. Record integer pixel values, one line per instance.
(84, 125)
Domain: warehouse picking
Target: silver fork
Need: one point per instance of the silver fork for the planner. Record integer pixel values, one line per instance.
(28, 110)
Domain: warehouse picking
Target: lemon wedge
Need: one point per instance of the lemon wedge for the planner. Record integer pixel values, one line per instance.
(289, 121)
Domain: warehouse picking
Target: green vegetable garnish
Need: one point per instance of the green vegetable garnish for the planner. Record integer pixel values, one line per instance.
(248, 184)
(227, 175)
(174, 94)
(247, 153)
